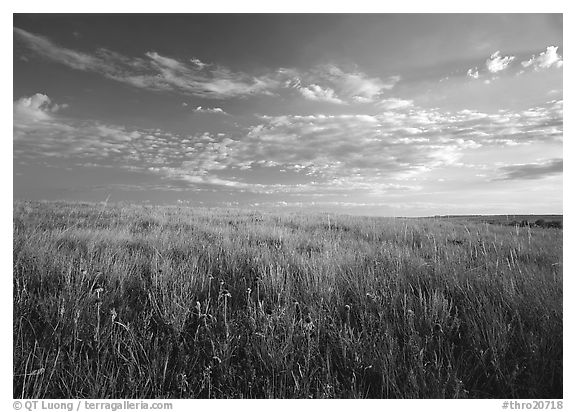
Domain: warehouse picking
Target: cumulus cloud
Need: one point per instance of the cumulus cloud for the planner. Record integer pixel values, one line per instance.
(545, 60)
(473, 73)
(317, 93)
(38, 107)
(531, 171)
(213, 110)
(497, 63)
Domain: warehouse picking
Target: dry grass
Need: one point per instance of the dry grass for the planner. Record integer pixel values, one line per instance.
(142, 302)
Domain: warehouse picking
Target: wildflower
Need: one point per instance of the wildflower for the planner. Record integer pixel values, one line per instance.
(225, 294)
(98, 289)
(182, 381)
(297, 314)
(438, 328)
(308, 324)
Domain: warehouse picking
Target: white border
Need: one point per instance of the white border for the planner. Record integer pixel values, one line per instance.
(307, 6)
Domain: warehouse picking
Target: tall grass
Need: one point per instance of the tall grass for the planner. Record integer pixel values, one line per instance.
(153, 302)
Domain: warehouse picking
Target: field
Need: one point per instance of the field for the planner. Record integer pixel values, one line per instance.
(118, 301)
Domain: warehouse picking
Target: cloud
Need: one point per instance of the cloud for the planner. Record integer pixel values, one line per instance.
(317, 93)
(332, 154)
(44, 47)
(531, 171)
(545, 60)
(153, 71)
(198, 63)
(395, 143)
(356, 85)
(35, 108)
(497, 63)
(156, 72)
(395, 103)
(213, 110)
(334, 145)
(473, 73)
(40, 132)
(330, 83)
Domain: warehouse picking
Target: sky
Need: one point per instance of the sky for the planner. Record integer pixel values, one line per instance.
(365, 114)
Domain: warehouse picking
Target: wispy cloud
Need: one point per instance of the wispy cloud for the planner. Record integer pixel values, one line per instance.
(333, 84)
(153, 71)
(395, 103)
(531, 171)
(356, 86)
(157, 72)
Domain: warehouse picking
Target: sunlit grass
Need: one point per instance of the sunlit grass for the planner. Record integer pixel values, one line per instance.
(142, 302)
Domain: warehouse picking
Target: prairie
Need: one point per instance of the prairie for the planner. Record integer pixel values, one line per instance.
(122, 301)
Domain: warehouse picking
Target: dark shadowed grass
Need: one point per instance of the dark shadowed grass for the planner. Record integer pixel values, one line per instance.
(142, 302)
